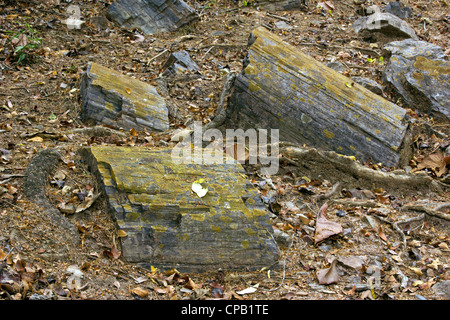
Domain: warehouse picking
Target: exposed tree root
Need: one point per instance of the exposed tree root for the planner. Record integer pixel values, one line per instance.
(396, 226)
(432, 212)
(344, 169)
(97, 131)
(34, 182)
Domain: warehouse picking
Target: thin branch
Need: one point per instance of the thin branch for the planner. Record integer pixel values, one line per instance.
(278, 17)
(158, 55)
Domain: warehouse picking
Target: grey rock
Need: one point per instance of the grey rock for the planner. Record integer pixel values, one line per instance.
(398, 9)
(282, 5)
(369, 84)
(410, 49)
(178, 63)
(337, 66)
(282, 238)
(152, 16)
(418, 72)
(36, 296)
(359, 287)
(353, 262)
(370, 221)
(442, 288)
(386, 24)
(282, 25)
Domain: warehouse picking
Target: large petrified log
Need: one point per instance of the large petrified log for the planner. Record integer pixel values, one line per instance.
(170, 226)
(113, 99)
(282, 88)
(152, 16)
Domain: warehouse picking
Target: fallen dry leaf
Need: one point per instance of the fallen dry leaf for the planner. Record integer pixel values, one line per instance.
(140, 292)
(435, 162)
(324, 227)
(121, 233)
(114, 253)
(2, 255)
(328, 275)
(381, 234)
(248, 290)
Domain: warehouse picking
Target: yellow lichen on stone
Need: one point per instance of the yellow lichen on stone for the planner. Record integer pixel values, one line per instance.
(254, 87)
(329, 134)
(154, 203)
(197, 216)
(433, 67)
(159, 228)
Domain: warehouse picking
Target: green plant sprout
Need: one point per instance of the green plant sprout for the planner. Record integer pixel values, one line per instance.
(25, 42)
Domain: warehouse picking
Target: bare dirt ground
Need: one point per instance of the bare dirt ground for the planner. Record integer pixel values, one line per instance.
(39, 108)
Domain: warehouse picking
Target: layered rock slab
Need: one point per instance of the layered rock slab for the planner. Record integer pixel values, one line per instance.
(111, 98)
(152, 16)
(282, 88)
(419, 73)
(385, 24)
(168, 225)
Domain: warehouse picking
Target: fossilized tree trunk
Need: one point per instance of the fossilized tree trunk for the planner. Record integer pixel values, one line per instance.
(283, 88)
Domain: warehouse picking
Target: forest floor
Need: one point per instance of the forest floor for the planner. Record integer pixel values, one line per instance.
(40, 107)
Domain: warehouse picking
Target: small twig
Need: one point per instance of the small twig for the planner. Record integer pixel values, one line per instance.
(10, 250)
(12, 204)
(207, 52)
(17, 88)
(396, 226)
(223, 45)
(356, 203)
(9, 177)
(159, 54)
(278, 17)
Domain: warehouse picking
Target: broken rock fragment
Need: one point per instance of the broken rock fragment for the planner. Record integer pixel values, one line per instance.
(282, 5)
(167, 225)
(178, 63)
(419, 73)
(385, 24)
(110, 98)
(152, 16)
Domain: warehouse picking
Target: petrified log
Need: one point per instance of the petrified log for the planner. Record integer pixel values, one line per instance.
(282, 88)
(113, 99)
(167, 225)
(152, 16)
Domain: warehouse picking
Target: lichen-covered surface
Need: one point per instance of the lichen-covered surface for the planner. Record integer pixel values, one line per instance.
(282, 88)
(421, 76)
(151, 16)
(169, 226)
(111, 98)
